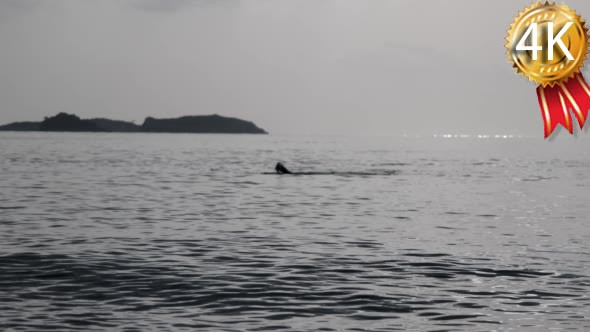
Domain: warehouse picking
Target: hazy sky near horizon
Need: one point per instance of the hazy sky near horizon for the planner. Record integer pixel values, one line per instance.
(291, 66)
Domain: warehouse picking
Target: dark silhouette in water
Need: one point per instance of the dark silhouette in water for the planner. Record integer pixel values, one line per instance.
(281, 169)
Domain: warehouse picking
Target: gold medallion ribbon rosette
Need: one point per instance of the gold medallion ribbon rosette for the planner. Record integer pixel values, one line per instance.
(548, 43)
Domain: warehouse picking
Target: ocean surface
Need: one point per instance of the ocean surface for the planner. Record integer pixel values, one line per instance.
(157, 232)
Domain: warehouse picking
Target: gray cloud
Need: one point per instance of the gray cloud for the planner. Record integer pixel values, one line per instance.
(15, 7)
(161, 5)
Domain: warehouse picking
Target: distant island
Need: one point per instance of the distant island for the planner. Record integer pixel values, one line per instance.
(208, 124)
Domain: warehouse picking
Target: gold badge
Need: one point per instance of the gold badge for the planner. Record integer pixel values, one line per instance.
(548, 43)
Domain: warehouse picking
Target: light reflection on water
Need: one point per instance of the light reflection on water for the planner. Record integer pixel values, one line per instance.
(185, 232)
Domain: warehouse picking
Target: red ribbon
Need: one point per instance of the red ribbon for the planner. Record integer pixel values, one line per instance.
(557, 101)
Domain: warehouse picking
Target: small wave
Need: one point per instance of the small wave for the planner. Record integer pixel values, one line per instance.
(368, 173)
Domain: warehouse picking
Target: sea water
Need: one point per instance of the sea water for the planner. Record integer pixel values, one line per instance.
(158, 232)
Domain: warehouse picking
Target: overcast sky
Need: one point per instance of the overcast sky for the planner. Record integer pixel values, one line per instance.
(291, 66)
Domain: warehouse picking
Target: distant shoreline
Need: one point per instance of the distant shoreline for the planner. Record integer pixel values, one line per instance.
(121, 132)
(199, 124)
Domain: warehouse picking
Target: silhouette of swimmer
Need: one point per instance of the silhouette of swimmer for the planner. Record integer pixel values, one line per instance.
(281, 169)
